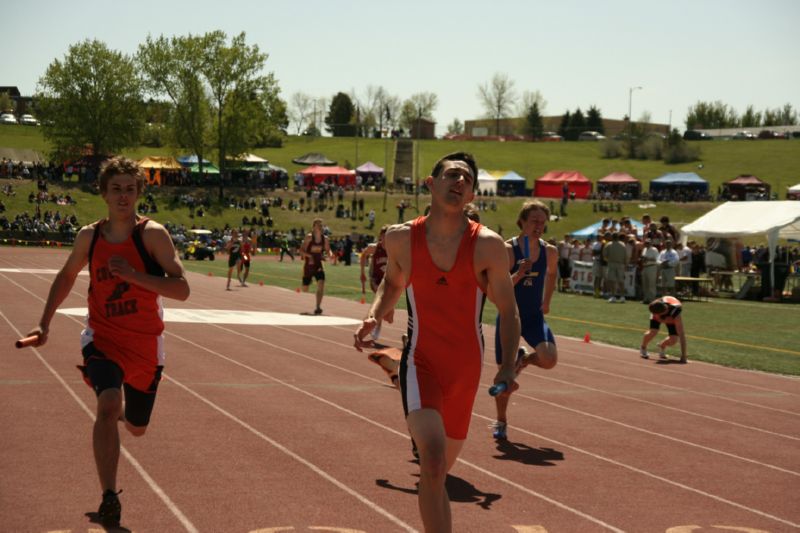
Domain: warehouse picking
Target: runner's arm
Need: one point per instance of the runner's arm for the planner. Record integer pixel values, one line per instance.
(501, 290)
(64, 280)
(365, 255)
(159, 244)
(550, 279)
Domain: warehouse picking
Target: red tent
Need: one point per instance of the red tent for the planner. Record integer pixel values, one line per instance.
(621, 184)
(335, 175)
(746, 187)
(550, 185)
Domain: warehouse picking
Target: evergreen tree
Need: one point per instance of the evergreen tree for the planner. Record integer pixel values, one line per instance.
(533, 122)
(564, 126)
(577, 124)
(594, 120)
(339, 117)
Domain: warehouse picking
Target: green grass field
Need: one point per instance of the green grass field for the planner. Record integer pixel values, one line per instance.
(752, 335)
(742, 334)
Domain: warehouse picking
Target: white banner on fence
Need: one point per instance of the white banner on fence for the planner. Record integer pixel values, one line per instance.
(583, 279)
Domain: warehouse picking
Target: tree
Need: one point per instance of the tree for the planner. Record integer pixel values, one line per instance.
(527, 100)
(751, 118)
(708, 115)
(340, 116)
(301, 110)
(92, 97)
(171, 68)
(533, 122)
(244, 97)
(419, 105)
(563, 128)
(577, 124)
(594, 120)
(7, 104)
(455, 128)
(497, 97)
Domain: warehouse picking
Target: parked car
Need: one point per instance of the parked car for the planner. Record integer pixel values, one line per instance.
(743, 135)
(769, 134)
(590, 136)
(28, 120)
(7, 118)
(550, 136)
(694, 135)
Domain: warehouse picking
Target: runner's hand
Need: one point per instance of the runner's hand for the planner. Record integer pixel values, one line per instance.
(120, 267)
(369, 324)
(507, 376)
(39, 332)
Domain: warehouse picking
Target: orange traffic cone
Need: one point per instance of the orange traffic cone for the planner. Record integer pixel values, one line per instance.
(363, 300)
(261, 283)
(586, 338)
(210, 274)
(297, 290)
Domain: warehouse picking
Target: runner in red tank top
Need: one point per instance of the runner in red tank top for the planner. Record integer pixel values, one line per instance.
(446, 264)
(128, 258)
(315, 249)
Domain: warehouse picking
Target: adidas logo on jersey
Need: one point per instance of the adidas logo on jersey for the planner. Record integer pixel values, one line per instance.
(441, 281)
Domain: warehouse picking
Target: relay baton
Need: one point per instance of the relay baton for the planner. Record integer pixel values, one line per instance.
(527, 248)
(498, 388)
(27, 341)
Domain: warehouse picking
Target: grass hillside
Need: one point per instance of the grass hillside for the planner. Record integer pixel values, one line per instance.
(775, 161)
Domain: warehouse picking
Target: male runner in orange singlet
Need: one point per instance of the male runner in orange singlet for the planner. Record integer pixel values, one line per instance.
(446, 263)
(132, 263)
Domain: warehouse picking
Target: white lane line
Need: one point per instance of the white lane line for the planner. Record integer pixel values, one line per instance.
(604, 419)
(374, 506)
(683, 389)
(677, 484)
(187, 524)
(652, 475)
(378, 424)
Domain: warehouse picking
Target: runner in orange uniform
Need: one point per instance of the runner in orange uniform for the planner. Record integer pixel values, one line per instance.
(132, 263)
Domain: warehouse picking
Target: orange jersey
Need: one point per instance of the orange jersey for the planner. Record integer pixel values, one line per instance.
(116, 307)
(442, 362)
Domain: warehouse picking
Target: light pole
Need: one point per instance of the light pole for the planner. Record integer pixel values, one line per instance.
(630, 109)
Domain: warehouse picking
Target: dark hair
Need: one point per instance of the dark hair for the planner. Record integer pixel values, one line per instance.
(464, 157)
(120, 166)
(657, 307)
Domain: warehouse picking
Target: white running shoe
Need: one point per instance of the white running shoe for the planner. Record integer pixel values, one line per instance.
(643, 353)
(612, 300)
(622, 299)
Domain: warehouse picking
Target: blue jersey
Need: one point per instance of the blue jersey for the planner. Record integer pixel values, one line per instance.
(530, 290)
(529, 293)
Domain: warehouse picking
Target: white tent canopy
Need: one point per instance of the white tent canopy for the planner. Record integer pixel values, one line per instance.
(776, 220)
(487, 183)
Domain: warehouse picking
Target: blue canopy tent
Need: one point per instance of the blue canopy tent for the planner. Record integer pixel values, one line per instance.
(686, 184)
(591, 231)
(189, 160)
(511, 184)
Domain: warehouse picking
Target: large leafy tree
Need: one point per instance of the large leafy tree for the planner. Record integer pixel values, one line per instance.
(171, 69)
(221, 95)
(91, 98)
(340, 116)
(711, 115)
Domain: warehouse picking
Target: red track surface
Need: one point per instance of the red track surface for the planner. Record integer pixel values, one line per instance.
(273, 428)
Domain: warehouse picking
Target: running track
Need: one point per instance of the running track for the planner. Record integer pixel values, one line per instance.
(277, 428)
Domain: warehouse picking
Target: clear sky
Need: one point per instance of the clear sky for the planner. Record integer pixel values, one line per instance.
(577, 53)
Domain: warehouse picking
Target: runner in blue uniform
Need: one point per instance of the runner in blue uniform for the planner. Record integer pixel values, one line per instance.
(533, 264)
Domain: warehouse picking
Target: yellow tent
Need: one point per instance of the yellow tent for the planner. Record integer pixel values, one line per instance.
(153, 165)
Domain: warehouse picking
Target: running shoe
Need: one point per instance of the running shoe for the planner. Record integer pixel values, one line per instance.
(643, 353)
(499, 430)
(662, 355)
(110, 510)
(318, 311)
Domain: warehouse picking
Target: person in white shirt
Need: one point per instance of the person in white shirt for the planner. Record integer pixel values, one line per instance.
(684, 259)
(649, 263)
(668, 261)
